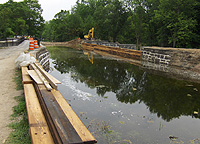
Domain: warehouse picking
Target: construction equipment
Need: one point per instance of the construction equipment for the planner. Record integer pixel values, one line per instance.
(90, 58)
(90, 34)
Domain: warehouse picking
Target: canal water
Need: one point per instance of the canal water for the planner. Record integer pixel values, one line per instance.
(120, 103)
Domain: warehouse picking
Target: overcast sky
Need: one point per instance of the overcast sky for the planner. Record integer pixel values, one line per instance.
(51, 7)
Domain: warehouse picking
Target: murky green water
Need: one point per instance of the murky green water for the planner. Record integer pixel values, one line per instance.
(122, 104)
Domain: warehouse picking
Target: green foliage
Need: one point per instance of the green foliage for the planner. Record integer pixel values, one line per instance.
(20, 18)
(108, 18)
(143, 22)
(178, 20)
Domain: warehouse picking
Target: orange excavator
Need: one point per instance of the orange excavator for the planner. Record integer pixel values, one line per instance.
(90, 34)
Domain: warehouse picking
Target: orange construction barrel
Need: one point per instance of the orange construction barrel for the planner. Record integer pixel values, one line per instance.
(31, 45)
(36, 44)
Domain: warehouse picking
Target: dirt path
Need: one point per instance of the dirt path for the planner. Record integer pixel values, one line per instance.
(7, 86)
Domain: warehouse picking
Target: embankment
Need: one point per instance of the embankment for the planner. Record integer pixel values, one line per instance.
(76, 43)
(175, 62)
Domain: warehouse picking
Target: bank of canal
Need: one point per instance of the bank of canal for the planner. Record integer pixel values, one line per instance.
(121, 103)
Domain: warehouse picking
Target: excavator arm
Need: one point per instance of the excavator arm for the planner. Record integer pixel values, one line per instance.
(90, 34)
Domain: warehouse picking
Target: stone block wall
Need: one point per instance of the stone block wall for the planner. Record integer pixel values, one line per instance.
(157, 56)
(178, 62)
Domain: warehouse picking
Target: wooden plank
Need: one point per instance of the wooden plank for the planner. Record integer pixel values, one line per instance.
(63, 126)
(39, 130)
(42, 77)
(25, 76)
(80, 128)
(54, 80)
(50, 123)
(54, 85)
(34, 76)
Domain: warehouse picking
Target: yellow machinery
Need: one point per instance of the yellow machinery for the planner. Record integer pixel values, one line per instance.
(89, 57)
(90, 34)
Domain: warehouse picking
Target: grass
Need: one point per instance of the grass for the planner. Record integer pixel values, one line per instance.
(18, 79)
(20, 125)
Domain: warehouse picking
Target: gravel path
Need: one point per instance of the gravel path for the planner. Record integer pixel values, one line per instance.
(7, 85)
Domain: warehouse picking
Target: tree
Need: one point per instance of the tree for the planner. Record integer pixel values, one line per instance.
(177, 20)
(139, 19)
(144, 22)
(20, 18)
(34, 17)
(117, 16)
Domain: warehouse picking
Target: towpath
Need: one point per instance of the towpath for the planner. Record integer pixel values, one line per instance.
(7, 85)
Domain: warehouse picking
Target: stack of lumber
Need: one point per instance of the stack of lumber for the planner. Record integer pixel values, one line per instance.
(51, 118)
(126, 53)
(39, 131)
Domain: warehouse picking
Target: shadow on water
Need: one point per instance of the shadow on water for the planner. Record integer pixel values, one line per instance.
(167, 98)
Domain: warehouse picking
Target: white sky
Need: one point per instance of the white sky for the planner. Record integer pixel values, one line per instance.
(51, 7)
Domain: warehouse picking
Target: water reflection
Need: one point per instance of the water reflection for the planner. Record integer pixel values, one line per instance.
(166, 97)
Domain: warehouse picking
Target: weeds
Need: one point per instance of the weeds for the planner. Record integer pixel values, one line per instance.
(18, 79)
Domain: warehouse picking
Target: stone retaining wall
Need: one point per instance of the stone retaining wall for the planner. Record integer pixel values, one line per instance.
(178, 62)
(157, 56)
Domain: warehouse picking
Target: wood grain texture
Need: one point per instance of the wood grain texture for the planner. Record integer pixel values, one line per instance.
(80, 128)
(39, 130)
(34, 76)
(45, 82)
(26, 79)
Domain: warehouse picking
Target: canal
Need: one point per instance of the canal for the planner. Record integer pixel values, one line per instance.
(120, 103)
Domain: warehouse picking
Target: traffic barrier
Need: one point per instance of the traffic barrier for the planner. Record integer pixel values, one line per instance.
(31, 45)
(36, 44)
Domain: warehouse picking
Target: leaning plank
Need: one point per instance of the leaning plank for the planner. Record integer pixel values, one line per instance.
(39, 130)
(41, 77)
(80, 128)
(54, 85)
(25, 76)
(53, 79)
(34, 76)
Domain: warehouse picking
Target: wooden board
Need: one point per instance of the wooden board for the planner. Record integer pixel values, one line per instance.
(50, 123)
(80, 128)
(59, 123)
(41, 77)
(39, 130)
(54, 80)
(25, 76)
(34, 76)
(53, 84)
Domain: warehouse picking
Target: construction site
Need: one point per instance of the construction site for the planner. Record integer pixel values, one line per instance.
(106, 72)
(51, 117)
